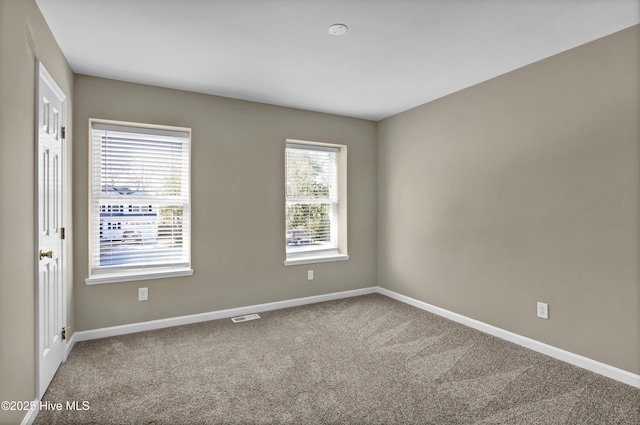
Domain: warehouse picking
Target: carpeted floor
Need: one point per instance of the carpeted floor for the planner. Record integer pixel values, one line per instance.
(362, 360)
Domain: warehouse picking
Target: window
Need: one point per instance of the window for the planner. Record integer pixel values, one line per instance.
(139, 226)
(315, 217)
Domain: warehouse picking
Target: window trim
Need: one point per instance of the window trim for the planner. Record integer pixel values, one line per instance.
(131, 276)
(97, 277)
(334, 254)
(312, 257)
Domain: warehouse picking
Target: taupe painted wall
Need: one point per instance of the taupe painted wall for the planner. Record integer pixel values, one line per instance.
(237, 203)
(520, 189)
(524, 188)
(24, 36)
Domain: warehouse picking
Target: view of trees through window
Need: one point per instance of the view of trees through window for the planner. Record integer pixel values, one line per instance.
(311, 196)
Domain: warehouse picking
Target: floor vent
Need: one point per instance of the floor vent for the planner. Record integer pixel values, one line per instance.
(245, 318)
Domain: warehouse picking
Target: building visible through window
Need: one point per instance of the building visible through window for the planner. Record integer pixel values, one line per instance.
(140, 201)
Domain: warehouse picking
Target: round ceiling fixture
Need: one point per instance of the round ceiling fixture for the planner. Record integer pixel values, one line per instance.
(338, 29)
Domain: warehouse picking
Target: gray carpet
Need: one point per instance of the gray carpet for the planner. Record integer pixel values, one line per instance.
(363, 360)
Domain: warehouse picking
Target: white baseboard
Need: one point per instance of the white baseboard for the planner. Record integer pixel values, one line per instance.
(214, 315)
(67, 349)
(558, 353)
(549, 350)
(31, 413)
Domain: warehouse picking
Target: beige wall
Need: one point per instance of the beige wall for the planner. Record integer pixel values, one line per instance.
(237, 203)
(520, 189)
(524, 188)
(24, 36)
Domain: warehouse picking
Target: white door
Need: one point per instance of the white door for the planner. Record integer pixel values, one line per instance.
(51, 103)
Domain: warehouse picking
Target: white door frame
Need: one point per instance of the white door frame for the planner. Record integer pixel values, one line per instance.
(44, 76)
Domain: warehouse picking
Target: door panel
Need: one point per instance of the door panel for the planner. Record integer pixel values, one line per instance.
(50, 285)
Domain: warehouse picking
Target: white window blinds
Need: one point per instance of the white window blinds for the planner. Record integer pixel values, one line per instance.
(140, 198)
(311, 198)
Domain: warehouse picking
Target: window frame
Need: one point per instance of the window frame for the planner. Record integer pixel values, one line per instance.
(339, 253)
(135, 273)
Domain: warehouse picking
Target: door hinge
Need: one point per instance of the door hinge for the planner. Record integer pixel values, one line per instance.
(64, 132)
(64, 333)
(63, 233)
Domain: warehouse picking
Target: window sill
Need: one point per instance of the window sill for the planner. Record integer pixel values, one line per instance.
(314, 257)
(131, 276)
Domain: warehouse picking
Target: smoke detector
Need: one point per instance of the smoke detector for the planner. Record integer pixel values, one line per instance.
(338, 29)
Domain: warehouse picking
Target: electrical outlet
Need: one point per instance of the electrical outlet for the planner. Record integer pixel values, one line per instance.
(309, 274)
(143, 294)
(543, 310)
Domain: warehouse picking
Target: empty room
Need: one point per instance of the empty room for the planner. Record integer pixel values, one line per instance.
(320, 212)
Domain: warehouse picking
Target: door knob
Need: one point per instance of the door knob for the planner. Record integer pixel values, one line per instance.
(48, 254)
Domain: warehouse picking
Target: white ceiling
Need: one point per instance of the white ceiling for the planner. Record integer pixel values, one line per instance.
(397, 54)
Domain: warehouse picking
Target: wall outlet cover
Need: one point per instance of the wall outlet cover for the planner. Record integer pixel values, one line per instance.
(543, 310)
(143, 294)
